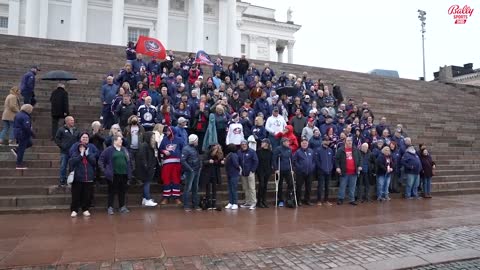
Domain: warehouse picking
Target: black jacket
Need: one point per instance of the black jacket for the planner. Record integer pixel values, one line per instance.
(341, 159)
(211, 172)
(265, 157)
(64, 139)
(146, 159)
(190, 159)
(59, 103)
(123, 112)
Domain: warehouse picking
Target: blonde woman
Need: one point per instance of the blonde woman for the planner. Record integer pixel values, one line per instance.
(11, 108)
(385, 168)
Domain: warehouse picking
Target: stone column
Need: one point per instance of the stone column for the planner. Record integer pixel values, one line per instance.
(196, 8)
(280, 54)
(117, 22)
(272, 44)
(78, 20)
(223, 41)
(252, 51)
(162, 21)
(43, 19)
(234, 39)
(13, 17)
(32, 18)
(290, 44)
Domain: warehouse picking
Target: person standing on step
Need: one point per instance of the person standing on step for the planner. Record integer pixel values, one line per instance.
(264, 171)
(147, 160)
(304, 167)
(248, 162)
(191, 165)
(325, 159)
(65, 137)
(233, 169)
(82, 163)
(412, 166)
(109, 91)
(367, 174)
(116, 166)
(211, 174)
(171, 147)
(22, 128)
(348, 162)
(59, 106)
(27, 86)
(134, 134)
(428, 167)
(10, 109)
(282, 156)
(147, 114)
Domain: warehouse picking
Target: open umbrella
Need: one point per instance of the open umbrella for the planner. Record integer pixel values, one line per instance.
(58, 75)
(286, 90)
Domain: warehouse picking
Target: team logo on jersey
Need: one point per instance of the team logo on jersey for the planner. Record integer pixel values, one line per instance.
(147, 116)
(171, 147)
(237, 130)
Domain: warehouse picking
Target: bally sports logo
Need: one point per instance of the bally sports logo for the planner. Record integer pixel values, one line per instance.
(460, 15)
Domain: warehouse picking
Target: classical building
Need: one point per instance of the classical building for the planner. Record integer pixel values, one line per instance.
(457, 74)
(228, 27)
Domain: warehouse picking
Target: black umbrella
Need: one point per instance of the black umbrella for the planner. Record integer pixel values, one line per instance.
(58, 75)
(287, 90)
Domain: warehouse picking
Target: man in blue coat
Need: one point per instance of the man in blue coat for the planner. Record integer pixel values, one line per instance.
(109, 91)
(22, 127)
(27, 86)
(304, 167)
(248, 162)
(324, 159)
(412, 165)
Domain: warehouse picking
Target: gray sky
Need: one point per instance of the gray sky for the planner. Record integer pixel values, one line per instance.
(385, 34)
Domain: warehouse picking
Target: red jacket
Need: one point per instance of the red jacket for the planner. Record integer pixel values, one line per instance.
(290, 136)
(157, 80)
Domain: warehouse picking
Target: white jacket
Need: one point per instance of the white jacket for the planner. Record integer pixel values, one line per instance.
(235, 134)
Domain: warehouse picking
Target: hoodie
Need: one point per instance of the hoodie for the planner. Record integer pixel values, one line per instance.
(173, 145)
(290, 136)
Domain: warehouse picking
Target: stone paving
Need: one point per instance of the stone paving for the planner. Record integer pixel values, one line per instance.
(397, 251)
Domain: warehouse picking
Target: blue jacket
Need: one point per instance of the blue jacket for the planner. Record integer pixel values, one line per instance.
(261, 105)
(232, 165)
(190, 159)
(137, 64)
(259, 132)
(83, 166)
(92, 149)
(154, 66)
(173, 145)
(109, 92)
(27, 85)
(315, 142)
(22, 126)
(303, 161)
(182, 134)
(285, 155)
(147, 115)
(248, 161)
(106, 162)
(396, 156)
(411, 162)
(155, 97)
(324, 159)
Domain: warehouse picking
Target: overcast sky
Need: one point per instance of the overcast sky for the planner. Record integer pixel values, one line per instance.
(369, 34)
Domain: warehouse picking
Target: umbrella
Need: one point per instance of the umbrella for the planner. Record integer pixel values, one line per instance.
(287, 90)
(58, 75)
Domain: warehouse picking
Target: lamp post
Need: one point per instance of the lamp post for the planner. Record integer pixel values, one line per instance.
(422, 18)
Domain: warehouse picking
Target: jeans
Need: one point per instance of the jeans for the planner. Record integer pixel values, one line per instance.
(427, 185)
(232, 189)
(146, 188)
(6, 126)
(323, 184)
(411, 188)
(63, 168)
(351, 180)
(191, 185)
(22, 146)
(248, 185)
(383, 182)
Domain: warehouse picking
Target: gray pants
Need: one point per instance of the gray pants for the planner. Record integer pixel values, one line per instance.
(248, 185)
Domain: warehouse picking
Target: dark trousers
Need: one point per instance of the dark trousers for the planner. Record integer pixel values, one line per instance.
(55, 120)
(118, 185)
(81, 195)
(222, 138)
(28, 99)
(323, 186)
(363, 190)
(287, 175)
(133, 158)
(262, 187)
(23, 144)
(303, 179)
(211, 192)
(107, 116)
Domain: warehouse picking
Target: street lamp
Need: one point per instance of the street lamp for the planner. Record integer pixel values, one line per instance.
(422, 18)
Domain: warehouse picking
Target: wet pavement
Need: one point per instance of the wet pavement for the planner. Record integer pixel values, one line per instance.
(397, 232)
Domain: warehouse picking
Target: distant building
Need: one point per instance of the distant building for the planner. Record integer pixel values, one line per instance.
(385, 73)
(457, 74)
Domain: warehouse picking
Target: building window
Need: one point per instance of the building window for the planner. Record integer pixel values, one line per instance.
(242, 48)
(177, 5)
(135, 32)
(3, 22)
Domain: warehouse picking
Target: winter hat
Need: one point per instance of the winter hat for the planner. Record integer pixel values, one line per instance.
(266, 140)
(244, 141)
(181, 120)
(234, 115)
(192, 139)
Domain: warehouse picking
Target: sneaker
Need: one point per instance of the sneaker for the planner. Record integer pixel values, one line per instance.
(281, 204)
(354, 203)
(229, 206)
(188, 210)
(12, 143)
(319, 203)
(110, 210)
(328, 203)
(339, 202)
(14, 151)
(144, 201)
(124, 210)
(234, 206)
(150, 203)
(388, 198)
(245, 205)
(198, 209)
(73, 214)
(21, 167)
(252, 207)
(86, 213)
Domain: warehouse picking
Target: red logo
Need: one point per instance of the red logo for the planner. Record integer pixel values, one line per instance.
(460, 15)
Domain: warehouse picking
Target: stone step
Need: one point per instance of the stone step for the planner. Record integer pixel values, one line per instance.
(446, 186)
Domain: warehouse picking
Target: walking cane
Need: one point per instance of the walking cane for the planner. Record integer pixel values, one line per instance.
(277, 179)
(293, 182)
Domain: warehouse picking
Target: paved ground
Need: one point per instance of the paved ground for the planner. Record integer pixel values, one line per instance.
(460, 265)
(374, 236)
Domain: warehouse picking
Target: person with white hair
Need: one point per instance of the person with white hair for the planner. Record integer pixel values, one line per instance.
(147, 114)
(22, 128)
(366, 175)
(65, 137)
(109, 91)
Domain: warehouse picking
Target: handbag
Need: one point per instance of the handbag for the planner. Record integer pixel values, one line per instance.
(70, 177)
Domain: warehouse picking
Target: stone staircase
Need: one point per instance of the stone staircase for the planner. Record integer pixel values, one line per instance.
(439, 115)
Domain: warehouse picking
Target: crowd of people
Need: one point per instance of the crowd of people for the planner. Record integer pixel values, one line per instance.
(163, 121)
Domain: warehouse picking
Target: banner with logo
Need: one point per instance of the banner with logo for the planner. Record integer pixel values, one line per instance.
(203, 58)
(151, 47)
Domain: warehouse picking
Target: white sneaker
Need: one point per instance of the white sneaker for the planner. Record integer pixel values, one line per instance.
(86, 213)
(229, 206)
(144, 201)
(245, 205)
(150, 203)
(73, 214)
(252, 207)
(234, 207)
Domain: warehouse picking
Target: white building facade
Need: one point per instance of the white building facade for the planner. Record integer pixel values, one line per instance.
(228, 27)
